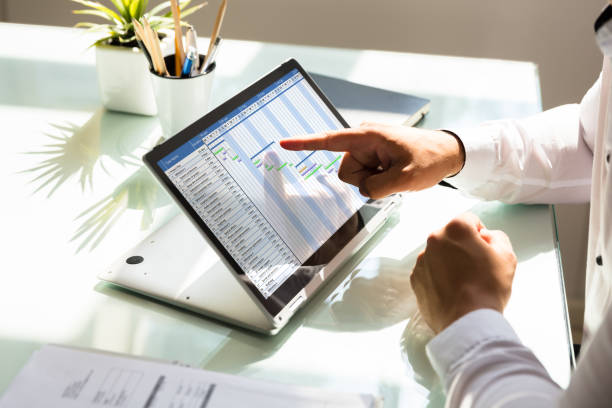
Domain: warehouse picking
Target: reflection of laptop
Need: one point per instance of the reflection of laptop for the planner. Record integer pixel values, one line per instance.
(276, 224)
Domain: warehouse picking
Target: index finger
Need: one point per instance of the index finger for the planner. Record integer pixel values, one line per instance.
(342, 140)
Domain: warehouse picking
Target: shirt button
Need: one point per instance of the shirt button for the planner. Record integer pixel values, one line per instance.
(599, 260)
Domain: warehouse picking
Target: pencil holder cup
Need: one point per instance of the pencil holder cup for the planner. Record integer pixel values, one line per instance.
(181, 101)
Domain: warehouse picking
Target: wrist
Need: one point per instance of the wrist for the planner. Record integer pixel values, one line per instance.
(456, 153)
(473, 303)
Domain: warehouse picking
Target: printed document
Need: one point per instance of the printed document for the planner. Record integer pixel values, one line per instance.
(58, 376)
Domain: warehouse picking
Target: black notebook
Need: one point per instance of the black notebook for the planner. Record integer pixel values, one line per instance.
(358, 103)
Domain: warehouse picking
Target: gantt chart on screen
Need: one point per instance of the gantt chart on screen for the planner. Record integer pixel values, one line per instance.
(270, 208)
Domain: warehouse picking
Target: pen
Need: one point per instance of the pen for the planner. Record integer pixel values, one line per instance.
(190, 59)
(190, 38)
(210, 59)
(216, 30)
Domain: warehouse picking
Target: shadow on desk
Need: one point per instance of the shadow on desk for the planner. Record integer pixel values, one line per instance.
(75, 152)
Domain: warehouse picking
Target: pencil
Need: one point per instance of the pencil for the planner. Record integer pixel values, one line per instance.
(140, 31)
(179, 53)
(155, 48)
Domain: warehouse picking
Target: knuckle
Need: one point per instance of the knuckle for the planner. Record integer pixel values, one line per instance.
(513, 259)
(457, 227)
(432, 240)
(413, 278)
(366, 190)
(371, 129)
(327, 135)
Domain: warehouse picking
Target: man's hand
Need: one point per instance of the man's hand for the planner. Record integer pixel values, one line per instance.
(382, 160)
(464, 267)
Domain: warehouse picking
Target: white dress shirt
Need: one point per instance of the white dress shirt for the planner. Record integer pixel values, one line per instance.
(559, 156)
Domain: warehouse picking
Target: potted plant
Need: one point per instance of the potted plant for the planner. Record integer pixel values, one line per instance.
(120, 64)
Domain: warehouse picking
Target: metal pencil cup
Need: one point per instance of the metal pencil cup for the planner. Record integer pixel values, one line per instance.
(181, 101)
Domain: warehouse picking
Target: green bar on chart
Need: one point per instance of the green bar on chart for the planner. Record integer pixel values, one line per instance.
(335, 160)
(313, 172)
(257, 162)
(235, 157)
(218, 151)
(284, 164)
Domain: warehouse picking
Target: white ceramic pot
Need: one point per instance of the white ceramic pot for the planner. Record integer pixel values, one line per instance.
(124, 80)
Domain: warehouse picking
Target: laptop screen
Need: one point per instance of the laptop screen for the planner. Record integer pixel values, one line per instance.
(270, 208)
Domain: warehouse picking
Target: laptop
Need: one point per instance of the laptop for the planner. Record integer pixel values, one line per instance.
(263, 228)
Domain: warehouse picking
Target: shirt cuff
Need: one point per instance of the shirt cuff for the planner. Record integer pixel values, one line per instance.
(479, 146)
(458, 341)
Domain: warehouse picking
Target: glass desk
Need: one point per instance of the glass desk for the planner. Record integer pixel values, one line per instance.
(75, 197)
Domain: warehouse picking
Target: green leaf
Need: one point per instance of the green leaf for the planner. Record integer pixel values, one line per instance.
(192, 10)
(97, 6)
(98, 13)
(155, 10)
(122, 10)
(137, 8)
(102, 41)
(90, 25)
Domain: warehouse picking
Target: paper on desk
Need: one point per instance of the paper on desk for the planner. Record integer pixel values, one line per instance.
(57, 376)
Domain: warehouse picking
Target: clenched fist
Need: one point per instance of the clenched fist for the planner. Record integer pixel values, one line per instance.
(464, 267)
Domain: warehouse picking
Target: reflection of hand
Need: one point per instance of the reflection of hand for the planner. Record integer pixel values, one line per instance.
(382, 160)
(324, 195)
(274, 179)
(464, 267)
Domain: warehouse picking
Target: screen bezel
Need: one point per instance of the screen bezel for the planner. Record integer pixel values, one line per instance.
(273, 304)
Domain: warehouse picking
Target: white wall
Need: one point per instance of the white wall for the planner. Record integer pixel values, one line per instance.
(556, 34)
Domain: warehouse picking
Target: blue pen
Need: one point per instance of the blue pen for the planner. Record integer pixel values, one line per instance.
(190, 59)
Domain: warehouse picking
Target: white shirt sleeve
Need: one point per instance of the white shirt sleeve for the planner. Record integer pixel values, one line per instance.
(482, 363)
(546, 158)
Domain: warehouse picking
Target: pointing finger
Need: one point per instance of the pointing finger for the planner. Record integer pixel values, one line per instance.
(342, 140)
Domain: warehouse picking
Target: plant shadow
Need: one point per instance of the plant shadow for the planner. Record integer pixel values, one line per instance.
(78, 151)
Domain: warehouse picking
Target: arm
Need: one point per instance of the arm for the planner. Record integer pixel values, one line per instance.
(542, 159)
(482, 363)
(462, 282)
(546, 158)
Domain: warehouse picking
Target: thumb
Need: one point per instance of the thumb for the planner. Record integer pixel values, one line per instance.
(380, 184)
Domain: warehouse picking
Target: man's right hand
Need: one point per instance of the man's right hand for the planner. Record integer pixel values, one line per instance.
(382, 160)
